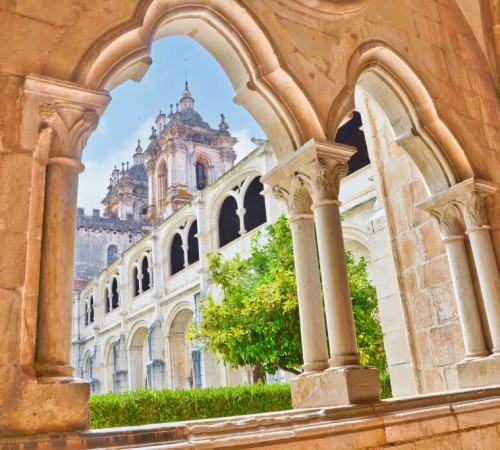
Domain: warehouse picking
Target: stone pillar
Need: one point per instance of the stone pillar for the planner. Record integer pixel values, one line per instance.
(312, 322)
(473, 206)
(454, 240)
(338, 304)
(57, 119)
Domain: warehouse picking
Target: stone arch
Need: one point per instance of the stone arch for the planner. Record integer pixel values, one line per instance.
(403, 97)
(109, 363)
(231, 34)
(179, 349)
(356, 240)
(86, 375)
(206, 176)
(138, 350)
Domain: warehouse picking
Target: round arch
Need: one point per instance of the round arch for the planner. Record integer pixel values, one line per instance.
(232, 35)
(402, 95)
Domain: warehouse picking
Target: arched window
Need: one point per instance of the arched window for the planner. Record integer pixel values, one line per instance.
(193, 250)
(351, 134)
(255, 205)
(91, 313)
(162, 181)
(201, 176)
(106, 300)
(176, 255)
(112, 253)
(229, 222)
(146, 279)
(135, 280)
(86, 313)
(115, 297)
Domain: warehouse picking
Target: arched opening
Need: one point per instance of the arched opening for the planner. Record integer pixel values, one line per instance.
(229, 222)
(180, 350)
(201, 176)
(146, 277)
(176, 255)
(112, 253)
(139, 357)
(162, 181)
(92, 317)
(255, 205)
(115, 296)
(193, 249)
(86, 313)
(135, 282)
(106, 300)
(351, 134)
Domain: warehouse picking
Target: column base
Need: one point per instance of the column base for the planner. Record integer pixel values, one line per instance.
(336, 386)
(35, 407)
(478, 372)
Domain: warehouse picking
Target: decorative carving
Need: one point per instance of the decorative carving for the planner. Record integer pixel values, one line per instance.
(448, 218)
(326, 183)
(47, 111)
(474, 207)
(297, 199)
(43, 144)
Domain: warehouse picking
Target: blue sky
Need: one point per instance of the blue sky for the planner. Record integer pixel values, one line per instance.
(135, 106)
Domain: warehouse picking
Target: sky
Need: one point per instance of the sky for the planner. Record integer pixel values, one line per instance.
(134, 107)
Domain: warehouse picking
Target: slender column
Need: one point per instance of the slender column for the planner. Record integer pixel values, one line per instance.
(338, 305)
(312, 322)
(478, 230)
(53, 349)
(468, 312)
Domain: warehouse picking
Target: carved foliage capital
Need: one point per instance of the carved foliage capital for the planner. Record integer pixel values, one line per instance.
(296, 198)
(449, 221)
(325, 182)
(474, 207)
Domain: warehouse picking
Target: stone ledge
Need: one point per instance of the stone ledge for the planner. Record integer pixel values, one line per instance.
(430, 421)
(336, 386)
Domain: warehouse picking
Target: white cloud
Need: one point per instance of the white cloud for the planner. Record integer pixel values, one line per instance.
(244, 145)
(94, 180)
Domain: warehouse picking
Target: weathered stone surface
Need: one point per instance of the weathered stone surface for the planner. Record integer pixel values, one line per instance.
(336, 386)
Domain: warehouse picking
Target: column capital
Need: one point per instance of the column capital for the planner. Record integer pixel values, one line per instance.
(69, 110)
(318, 166)
(471, 197)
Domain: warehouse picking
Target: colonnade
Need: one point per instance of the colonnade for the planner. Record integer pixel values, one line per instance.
(309, 184)
(461, 213)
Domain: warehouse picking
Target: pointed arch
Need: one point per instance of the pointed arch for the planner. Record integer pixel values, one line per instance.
(193, 249)
(402, 95)
(233, 36)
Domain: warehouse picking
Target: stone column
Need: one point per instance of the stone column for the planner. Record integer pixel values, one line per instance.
(312, 322)
(338, 305)
(473, 206)
(453, 238)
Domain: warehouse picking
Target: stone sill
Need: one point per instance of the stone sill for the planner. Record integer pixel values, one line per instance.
(391, 422)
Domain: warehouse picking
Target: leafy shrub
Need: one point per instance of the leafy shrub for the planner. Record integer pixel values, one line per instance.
(149, 406)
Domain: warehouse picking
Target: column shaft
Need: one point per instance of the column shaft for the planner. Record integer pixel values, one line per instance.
(489, 279)
(465, 296)
(338, 305)
(53, 348)
(312, 322)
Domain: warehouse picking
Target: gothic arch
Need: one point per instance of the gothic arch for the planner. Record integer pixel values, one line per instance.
(232, 35)
(254, 204)
(402, 95)
(176, 253)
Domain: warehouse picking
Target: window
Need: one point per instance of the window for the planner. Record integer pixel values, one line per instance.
(162, 181)
(176, 255)
(91, 312)
(115, 298)
(146, 279)
(201, 176)
(106, 300)
(135, 280)
(255, 205)
(193, 250)
(87, 313)
(229, 222)
(112, 253)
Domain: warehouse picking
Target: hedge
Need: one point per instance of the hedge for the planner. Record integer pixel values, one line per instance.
(149, 406)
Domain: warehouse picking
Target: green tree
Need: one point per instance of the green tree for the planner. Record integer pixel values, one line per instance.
(257, 321)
